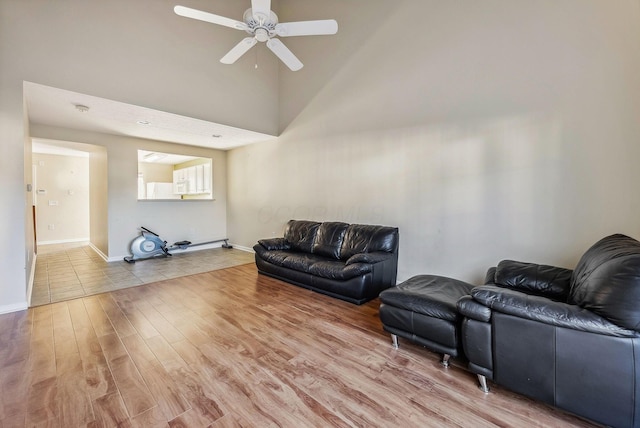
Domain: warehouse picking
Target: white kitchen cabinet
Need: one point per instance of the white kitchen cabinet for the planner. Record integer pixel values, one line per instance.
(192, 180)
(199, 178)
(207, 178)
(180, 183)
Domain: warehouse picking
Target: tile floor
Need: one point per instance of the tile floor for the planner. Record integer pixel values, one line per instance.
(69, 271)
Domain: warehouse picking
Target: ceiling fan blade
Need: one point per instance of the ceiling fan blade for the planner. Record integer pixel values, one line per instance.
(187, 12)
(307, 28)
(285, 55)
(238, 50)
(262, 8)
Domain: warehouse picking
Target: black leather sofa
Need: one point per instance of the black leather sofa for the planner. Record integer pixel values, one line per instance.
(568, 338)
(353, 262)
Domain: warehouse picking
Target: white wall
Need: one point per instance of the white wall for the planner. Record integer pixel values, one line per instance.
(482, 129)
(63, 181)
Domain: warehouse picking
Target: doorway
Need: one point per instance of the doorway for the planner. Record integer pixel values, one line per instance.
(61, 211)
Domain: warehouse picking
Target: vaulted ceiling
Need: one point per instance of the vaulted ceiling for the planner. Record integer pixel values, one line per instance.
(143, 63)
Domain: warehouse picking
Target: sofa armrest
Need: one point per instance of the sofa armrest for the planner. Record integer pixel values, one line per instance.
(543, 280)
(272, 244)
(469, 308)
(547, 311)
(371, 258)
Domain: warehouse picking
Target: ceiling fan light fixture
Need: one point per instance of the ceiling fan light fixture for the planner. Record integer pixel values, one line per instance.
(262, 35)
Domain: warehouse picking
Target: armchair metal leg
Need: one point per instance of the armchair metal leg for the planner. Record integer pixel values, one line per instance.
(445, 360)
(483, 384)
(394, 341)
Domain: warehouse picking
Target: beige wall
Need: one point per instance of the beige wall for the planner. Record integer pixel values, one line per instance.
(63, 180)
(99, 199)
(156, 172)
(482, 129)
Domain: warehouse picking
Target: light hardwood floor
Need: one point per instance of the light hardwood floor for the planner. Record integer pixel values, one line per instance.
(232, 348)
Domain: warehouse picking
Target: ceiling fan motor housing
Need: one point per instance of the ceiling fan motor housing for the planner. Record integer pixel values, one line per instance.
(261, 26)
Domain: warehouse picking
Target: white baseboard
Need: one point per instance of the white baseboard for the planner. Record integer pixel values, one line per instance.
(63, 241)
(98, 252)
(241, 248)
(6, 309)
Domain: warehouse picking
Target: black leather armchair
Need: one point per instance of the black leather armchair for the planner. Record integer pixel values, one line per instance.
(568, 338)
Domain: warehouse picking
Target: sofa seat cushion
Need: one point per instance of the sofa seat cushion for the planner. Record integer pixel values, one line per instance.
(301, 261)
(339, 270)
(607, 280)
(314, 264)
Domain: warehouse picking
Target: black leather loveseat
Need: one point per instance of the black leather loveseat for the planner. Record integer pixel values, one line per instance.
(567, 338)
(353, 262)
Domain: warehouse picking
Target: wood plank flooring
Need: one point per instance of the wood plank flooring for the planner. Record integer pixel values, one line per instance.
(231, 348)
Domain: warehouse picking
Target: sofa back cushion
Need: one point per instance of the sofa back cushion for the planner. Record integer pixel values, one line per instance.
(329, 239)
(361, 238)
(300, 234)
(607, 280)
(543, 280)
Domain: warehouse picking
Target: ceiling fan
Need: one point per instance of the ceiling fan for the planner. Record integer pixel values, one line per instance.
(262, 24)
